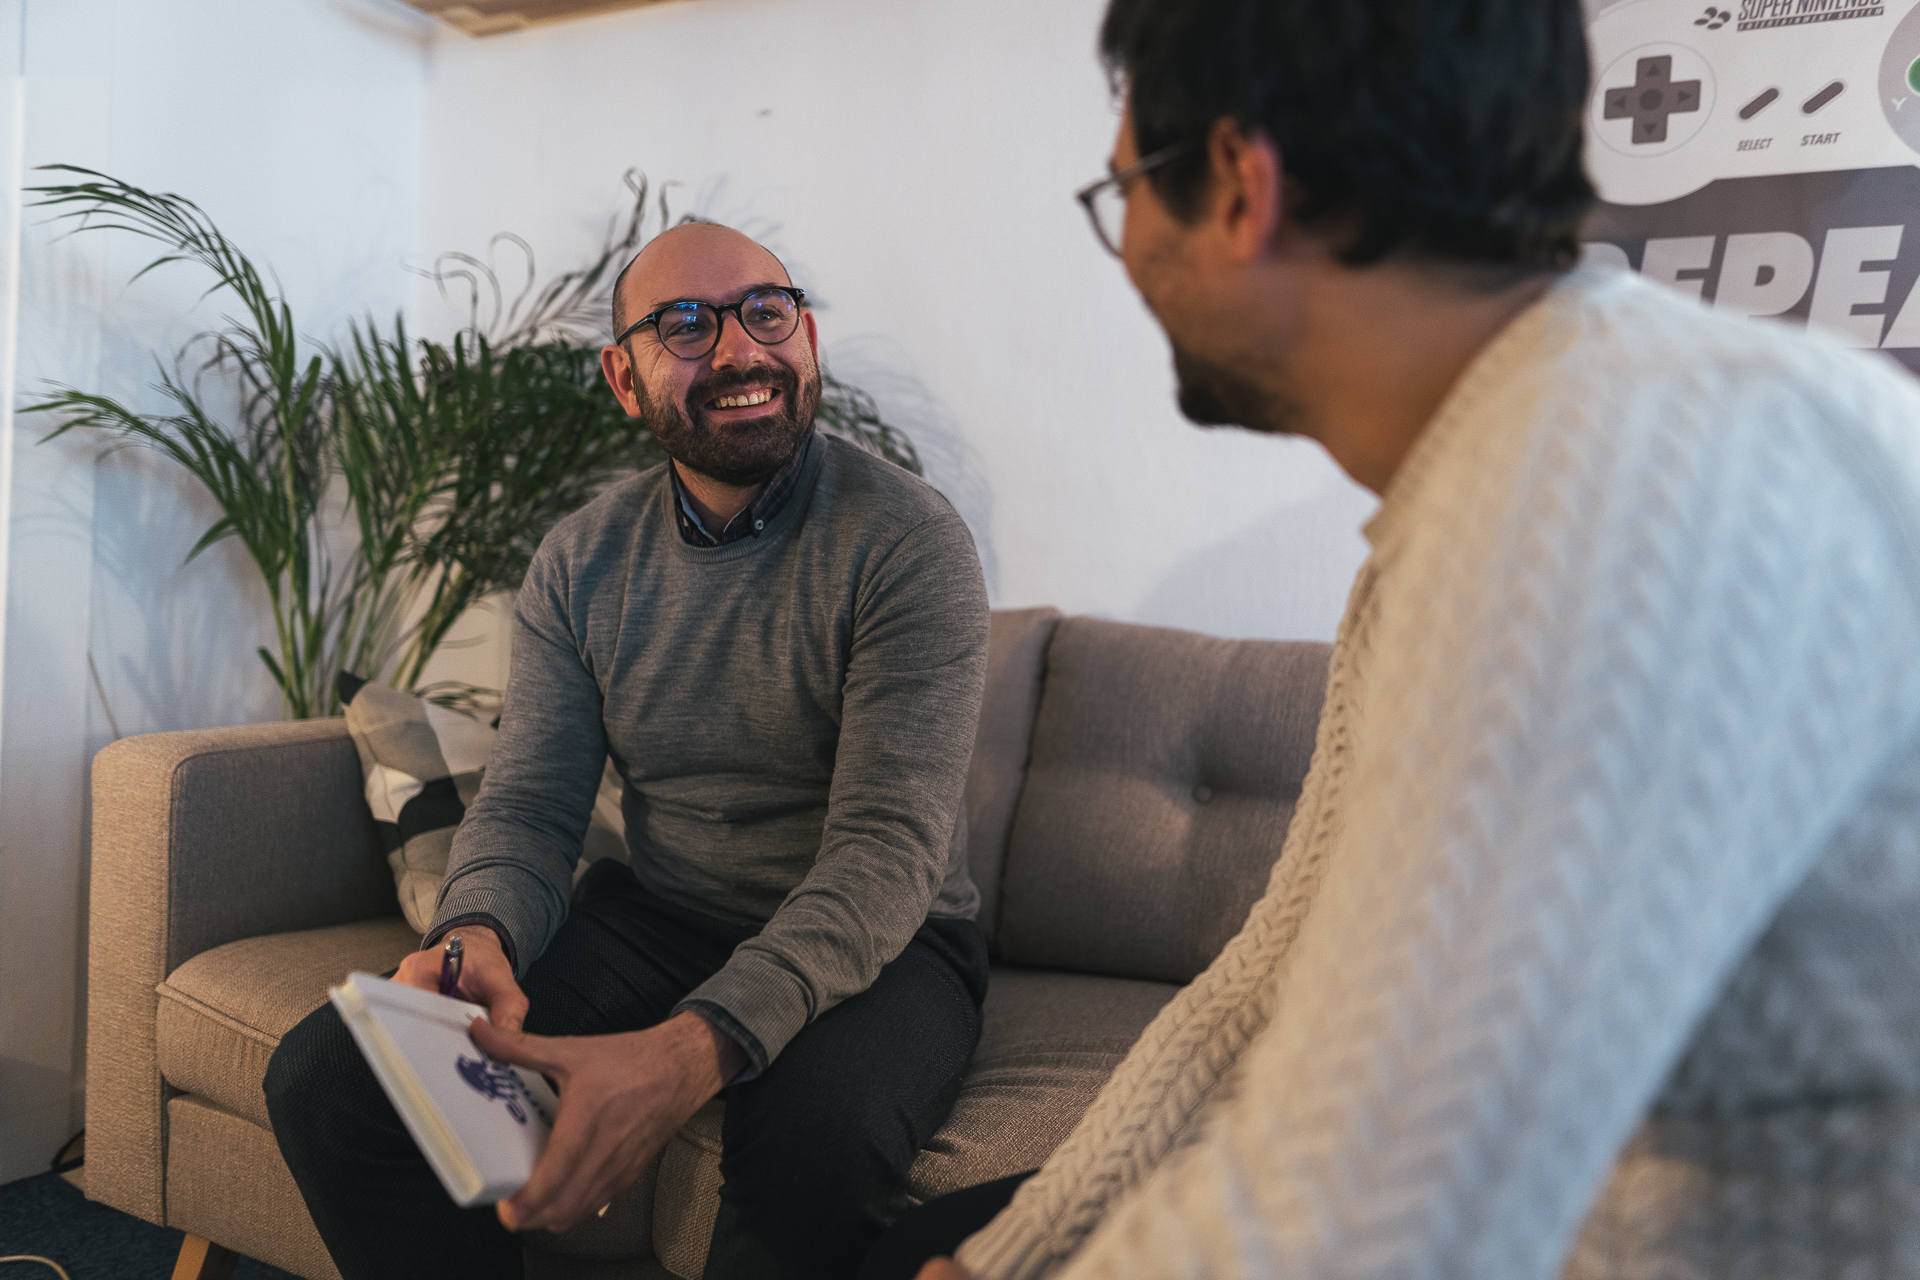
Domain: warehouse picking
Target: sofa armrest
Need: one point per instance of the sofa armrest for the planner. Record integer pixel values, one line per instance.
(201, 838)
(1016, 668)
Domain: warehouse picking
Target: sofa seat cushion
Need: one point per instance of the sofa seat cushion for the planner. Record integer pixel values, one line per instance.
(223, 1012)
(1049, 1042)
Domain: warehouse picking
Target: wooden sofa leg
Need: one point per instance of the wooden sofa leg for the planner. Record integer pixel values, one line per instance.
(203, 1260)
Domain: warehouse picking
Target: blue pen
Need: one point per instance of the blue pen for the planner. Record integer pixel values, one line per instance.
(450, 965)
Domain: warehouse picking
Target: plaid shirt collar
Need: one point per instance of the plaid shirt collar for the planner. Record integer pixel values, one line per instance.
(753, 517)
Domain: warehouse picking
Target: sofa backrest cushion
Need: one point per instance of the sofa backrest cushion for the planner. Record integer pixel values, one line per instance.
(1016, 654)
(1163, 772)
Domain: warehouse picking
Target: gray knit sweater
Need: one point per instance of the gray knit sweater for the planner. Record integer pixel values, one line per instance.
(1612, 832)
(792, 714)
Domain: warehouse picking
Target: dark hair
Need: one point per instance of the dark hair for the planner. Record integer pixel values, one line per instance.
(1446, 130)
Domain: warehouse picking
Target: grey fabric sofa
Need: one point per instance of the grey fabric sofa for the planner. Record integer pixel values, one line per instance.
(1129, 790)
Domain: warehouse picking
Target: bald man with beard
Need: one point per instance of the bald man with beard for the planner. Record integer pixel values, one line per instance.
(780, 641)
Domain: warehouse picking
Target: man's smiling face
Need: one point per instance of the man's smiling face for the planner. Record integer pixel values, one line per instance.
(736, 414)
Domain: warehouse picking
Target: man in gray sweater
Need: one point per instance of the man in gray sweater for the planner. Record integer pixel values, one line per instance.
(780, 641)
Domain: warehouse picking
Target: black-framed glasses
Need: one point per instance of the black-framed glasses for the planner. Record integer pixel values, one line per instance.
(690, 330)
(1106, 200)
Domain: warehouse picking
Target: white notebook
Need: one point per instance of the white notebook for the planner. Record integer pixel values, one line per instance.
(481, 1124)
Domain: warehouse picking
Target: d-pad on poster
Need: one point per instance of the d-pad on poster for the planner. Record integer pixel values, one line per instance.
(1760, 155)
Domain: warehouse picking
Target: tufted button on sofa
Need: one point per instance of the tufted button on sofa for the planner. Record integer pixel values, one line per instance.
(1129, 790)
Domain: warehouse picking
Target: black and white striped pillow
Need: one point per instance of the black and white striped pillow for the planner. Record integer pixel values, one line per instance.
(423, 766)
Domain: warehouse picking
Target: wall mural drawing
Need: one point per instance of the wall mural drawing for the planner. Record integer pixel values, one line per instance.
(1762, 157)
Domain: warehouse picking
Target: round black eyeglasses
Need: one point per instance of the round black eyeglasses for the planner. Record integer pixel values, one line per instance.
(690, 330)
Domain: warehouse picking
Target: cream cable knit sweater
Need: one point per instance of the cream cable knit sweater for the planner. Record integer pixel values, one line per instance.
(1613, 820)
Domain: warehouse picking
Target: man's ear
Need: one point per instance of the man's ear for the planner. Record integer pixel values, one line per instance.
(1248, 181)
(617, 367)
(813, 332)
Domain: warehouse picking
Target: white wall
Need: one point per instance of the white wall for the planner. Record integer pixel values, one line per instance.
(296, 125)
(914, 163)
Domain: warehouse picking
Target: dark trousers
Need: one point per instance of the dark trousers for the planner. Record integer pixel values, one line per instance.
(815, 1149)
(936, 1228)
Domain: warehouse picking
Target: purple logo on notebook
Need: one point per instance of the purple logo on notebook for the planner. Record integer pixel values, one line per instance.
(495, 1080)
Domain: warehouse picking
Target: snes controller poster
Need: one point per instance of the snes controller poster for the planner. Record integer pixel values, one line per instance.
(1761, 155)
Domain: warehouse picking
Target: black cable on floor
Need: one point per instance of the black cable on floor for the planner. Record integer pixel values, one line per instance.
(72, 1155)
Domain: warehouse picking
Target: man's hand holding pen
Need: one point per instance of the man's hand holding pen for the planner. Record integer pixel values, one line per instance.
(485, 976)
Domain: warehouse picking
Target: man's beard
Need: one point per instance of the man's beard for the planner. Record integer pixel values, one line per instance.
(1214, 396)
(743, 453)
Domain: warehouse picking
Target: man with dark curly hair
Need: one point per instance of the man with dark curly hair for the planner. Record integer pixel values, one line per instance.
(1594, 948)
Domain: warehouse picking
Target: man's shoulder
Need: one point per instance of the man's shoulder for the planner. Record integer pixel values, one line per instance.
(1633, 398)
(1641, 356)
(1638, 332)
(885, 496)
(607, 522)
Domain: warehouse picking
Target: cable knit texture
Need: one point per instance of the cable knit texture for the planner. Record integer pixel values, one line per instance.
(1613, 822)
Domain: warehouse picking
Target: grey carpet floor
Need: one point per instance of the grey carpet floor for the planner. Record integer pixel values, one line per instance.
(49, 1216)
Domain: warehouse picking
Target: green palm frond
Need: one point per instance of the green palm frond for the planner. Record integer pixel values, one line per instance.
(850, 413)
(269, 476)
